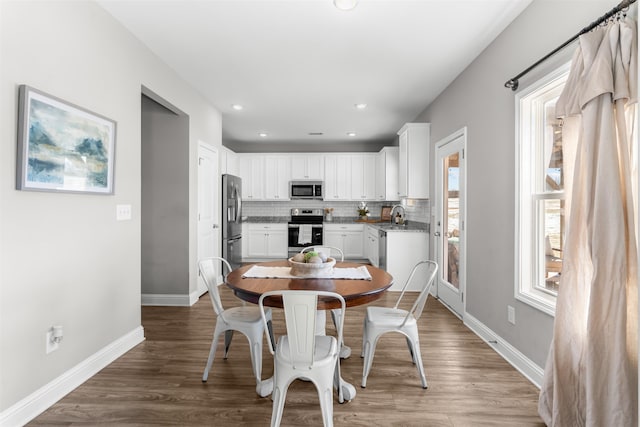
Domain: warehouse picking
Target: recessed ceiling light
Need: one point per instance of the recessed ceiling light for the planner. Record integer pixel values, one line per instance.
(351, 134)
(263, 134)
(237, 107)
(361, 106)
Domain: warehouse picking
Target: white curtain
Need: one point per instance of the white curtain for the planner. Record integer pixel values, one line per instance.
(591, 373)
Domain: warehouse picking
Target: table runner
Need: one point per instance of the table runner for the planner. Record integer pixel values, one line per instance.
(264, 272)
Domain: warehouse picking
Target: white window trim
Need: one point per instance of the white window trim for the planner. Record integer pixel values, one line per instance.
(525, 289)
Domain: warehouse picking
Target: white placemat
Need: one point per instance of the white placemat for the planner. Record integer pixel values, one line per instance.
(263, 272)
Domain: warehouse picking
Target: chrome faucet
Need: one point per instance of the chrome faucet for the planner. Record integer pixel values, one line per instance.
(402, 216)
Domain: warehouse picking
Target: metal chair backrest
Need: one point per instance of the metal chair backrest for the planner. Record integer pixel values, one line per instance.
(300, 316)
(424, 271)
(208, 272)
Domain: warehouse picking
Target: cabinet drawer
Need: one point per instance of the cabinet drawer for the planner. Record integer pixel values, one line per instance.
(343, 227)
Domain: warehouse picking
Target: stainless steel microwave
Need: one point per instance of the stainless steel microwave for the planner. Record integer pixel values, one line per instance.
(306, 190)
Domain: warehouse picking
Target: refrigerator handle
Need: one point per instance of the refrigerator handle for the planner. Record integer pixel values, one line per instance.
(238, 207)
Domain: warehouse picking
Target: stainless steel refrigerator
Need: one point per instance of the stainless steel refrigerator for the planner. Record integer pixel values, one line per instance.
(231, 219)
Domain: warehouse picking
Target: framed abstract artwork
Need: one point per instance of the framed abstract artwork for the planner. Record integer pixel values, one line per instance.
(63, 147)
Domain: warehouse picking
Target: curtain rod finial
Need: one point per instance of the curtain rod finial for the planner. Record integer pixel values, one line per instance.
(512, 84)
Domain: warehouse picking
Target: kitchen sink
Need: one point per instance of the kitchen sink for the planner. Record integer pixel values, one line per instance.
(394, 227)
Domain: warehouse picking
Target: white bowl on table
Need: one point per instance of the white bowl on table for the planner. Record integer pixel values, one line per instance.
(310, 269)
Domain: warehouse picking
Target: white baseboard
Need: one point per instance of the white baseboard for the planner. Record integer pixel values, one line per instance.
(528, 368)
(37, 402)
(177, 300)
(173, 300)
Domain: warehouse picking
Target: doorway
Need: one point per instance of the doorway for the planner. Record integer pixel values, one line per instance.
(450, 219)
(208, 215)
(164, 202)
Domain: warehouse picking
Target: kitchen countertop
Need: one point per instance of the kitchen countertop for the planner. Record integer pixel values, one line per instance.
(410, 226)
(265, 219)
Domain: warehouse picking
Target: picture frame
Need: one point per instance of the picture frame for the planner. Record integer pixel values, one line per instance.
(63, 147)
(385, 213)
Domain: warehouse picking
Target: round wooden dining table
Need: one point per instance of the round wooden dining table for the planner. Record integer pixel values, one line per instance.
(354, 292)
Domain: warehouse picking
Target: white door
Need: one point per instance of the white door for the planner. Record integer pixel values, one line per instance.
(208, 206)
(450, 218)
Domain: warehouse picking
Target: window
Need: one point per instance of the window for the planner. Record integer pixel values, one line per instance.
(540, 192)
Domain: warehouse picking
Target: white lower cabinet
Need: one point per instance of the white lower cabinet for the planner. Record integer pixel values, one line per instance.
(348, 237)
(266, 240)
(371, 245)
(404, 251)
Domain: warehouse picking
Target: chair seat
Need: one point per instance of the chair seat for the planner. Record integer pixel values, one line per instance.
(325, 347)
(244, 314)
(389, 317)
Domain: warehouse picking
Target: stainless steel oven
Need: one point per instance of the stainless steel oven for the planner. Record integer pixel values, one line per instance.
(305, 229)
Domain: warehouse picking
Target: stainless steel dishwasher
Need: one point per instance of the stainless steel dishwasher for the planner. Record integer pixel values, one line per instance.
(382, 249)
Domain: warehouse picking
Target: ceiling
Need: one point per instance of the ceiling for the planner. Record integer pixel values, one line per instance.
(298, 67)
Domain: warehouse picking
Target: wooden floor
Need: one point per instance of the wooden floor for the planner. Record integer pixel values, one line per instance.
(159, 381)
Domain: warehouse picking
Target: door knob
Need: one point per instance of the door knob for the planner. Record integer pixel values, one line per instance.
(437, 234)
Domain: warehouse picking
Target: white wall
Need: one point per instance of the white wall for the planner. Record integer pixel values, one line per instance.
(478, 99)
(63, 257)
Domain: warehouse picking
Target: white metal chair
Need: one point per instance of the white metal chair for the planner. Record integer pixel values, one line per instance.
(336, 313)
(329, 250)
(301, 354)
(244, 319)
(380, 320)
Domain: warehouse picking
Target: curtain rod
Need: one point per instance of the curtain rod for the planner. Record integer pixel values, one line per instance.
(513, 83)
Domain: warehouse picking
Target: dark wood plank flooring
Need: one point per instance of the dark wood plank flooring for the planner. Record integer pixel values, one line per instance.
(159, 381)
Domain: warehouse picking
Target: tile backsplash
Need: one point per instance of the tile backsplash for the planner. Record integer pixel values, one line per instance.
(416, 210)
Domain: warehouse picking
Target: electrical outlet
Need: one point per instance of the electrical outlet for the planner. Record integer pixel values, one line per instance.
(123, 212)
(511, 315)
(51, 345)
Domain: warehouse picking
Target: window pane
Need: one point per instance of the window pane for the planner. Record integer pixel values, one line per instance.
(551, 168)
(452, 218)
(552, 227)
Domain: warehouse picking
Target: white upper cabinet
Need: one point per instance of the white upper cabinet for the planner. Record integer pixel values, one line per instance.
(387, 174)
(337, 177)
(228, 162)
(307, 166)
(413, 177)
(276, 177)
(252, 174)
(363, 176)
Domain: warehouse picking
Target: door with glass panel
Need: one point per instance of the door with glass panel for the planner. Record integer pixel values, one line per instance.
(450, 216)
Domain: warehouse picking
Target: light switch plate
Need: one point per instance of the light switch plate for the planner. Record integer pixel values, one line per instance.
(123, 212)
(511, 315)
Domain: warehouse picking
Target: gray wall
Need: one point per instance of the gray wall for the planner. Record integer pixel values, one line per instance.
(64, 259)
(477, 99)
(165, 200)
